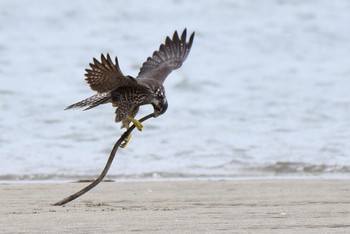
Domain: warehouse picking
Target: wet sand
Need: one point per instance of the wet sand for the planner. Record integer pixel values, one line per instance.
(236, 206)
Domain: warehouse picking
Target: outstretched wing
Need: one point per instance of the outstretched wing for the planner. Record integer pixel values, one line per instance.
(105, 75)
(169, 57)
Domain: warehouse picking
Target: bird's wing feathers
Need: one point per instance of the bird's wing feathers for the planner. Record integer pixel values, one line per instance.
(105, 75)
(169, 57)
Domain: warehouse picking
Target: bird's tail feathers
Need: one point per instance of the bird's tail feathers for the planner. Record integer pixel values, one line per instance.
(91, 102)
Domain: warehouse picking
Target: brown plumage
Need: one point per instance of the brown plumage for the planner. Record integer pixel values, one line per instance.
(126, 93)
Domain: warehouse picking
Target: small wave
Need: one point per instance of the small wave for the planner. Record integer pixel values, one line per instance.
(301, 168)
(278, 169)
(78, 178)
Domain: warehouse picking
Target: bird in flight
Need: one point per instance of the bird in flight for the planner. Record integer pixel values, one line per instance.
(127, 93)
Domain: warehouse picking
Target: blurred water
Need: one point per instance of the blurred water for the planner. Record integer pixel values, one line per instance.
(264, 91)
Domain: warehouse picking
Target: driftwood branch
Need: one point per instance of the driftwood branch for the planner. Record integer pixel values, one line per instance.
(106, 168)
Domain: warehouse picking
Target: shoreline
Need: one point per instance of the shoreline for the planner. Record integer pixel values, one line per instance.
(83, 179)
(193, 206)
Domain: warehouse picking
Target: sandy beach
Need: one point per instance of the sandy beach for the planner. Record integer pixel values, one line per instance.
(235, 206)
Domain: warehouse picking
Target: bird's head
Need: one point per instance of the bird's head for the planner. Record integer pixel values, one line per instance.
(160, 104)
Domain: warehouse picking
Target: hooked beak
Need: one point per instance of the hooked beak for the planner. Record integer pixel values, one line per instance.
(161, 108)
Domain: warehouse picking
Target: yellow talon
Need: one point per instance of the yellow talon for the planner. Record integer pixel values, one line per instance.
(127, 139)
(137, 123)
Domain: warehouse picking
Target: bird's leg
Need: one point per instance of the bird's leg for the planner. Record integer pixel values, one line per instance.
(137, 124)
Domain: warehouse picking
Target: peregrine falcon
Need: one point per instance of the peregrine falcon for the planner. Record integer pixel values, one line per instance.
(127, 93)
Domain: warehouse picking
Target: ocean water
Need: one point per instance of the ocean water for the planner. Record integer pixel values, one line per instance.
(263, 93)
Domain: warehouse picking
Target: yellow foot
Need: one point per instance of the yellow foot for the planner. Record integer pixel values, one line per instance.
(137, 123)
(127, 139)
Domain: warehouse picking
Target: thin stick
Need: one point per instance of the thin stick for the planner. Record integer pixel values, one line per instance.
(106, 168)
